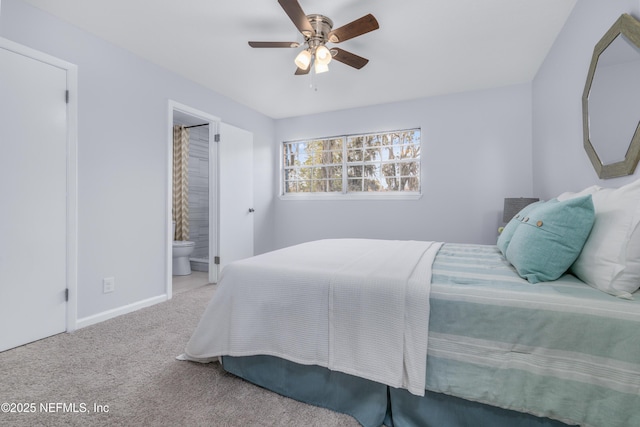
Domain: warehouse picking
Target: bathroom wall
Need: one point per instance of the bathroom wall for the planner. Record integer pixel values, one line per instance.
(199, 191)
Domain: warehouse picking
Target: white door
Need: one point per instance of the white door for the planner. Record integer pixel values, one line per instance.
(235, 187)
(33, 184)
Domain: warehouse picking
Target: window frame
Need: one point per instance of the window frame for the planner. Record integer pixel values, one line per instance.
(345, 194)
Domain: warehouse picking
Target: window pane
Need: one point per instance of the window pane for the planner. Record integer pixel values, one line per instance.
(304, 173)
(354, 155)
(410, 184)
(335, 172)
(336, 157)
(411, 152)
(304, 186)
(354, 142)
(372, 171)
(336, 144)
(355, 185)
(300, 153)
(410, 169)
(391, 174)
(336, 185)
(354, 171)
(372, 154)
(372, 185)
(289, 156)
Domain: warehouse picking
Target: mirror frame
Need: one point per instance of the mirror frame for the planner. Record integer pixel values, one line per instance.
(630, 28)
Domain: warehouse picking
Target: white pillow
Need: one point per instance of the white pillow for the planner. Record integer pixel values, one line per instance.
(610, 258)
(569, 195)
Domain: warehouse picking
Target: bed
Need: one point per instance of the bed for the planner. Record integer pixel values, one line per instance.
(406, 333)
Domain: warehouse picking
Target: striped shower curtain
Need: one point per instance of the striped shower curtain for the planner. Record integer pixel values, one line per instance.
(181, 182)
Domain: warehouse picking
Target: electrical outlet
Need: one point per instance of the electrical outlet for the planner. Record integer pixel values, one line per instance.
(108, 285)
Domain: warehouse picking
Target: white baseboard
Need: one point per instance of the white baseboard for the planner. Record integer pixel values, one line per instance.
(110, 314)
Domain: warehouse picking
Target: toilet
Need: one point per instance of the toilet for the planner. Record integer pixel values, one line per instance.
(180, 252)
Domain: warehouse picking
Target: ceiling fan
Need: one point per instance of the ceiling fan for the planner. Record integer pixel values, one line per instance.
(317, 31)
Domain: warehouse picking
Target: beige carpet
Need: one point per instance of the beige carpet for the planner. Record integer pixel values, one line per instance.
(127, 366)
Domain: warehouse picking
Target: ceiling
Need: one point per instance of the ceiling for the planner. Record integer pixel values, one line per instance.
(423, 47)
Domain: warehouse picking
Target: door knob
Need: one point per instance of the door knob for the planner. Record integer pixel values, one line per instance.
(251, 210)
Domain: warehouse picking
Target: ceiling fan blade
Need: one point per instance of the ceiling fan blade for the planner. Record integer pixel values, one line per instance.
(353, 29)
(351, 59)
(297, 16)
(302, 72)
(274, 44)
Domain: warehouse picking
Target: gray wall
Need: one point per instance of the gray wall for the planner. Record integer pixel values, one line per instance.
(122, 156)
(476, 151)
(559, 160)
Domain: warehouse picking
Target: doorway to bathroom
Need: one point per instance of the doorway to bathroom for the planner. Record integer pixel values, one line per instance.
(229, 217)
(201, 213)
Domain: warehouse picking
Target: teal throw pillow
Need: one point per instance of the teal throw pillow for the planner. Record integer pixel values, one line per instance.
(510, 228)
(544, 246)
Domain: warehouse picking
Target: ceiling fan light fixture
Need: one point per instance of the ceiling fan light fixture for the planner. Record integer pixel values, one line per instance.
(303, 59)
(323, 55)
(317, 31)
(319, 67)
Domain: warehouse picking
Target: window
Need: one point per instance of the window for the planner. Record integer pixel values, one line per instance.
(385, 163)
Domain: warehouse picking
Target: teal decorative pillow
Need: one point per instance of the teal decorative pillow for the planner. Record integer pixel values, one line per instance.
(544, 246)
(510, 228)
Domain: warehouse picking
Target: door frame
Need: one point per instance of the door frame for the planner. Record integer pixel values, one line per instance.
(72, 171)
(213, 122)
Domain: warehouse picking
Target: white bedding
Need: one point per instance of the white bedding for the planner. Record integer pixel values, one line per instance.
(346, 304)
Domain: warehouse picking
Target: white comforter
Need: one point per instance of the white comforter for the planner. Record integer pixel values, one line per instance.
(358, 306)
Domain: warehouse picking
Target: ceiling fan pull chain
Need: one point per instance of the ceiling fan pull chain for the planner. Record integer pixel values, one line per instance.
(312, 78)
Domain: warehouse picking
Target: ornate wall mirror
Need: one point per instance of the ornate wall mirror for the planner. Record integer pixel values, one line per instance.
(611, 101)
